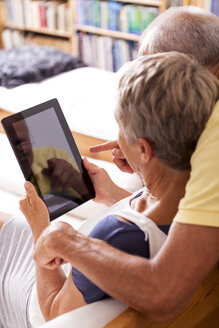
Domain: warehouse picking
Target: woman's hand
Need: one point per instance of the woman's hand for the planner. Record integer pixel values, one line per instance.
(118, 156)
(35, 210)
(107, 192)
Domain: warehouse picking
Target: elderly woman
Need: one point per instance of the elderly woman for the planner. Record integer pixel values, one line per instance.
(163, 105)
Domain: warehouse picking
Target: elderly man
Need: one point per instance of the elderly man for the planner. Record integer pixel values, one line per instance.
(146, 284)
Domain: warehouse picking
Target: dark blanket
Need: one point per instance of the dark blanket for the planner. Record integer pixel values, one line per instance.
(33, 64)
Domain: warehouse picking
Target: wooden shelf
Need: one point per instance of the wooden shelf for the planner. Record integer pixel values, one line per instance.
(152, 3)
(46, 31)
(105, 32)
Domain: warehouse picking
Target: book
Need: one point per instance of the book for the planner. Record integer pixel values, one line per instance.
(16, 39)
(39, 14)
(42, 14)
(215, 7)
(105, 52)
(114, 15)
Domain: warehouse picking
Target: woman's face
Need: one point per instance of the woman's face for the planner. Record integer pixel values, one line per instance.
(131, 152)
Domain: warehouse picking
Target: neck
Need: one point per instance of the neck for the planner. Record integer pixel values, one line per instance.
(167, 187)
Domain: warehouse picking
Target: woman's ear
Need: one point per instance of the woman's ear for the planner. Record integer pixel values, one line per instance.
(145, 149)
(215, 70)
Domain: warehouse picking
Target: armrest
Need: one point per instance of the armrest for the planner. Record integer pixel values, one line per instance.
(201, 312)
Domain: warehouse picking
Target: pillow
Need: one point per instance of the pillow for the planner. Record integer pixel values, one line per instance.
(33, 64)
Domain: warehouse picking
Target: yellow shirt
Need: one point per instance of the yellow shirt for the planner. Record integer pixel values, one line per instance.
(201, 202)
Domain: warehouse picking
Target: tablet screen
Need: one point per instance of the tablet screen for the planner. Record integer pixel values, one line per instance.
(48, 157)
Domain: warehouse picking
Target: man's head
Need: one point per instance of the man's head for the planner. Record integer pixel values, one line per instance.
(188, 30)
(166, 99)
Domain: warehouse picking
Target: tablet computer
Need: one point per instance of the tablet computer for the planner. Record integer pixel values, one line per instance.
(48, 157)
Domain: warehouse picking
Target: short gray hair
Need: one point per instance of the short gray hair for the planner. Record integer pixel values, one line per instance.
(187, 29)
(166, 99)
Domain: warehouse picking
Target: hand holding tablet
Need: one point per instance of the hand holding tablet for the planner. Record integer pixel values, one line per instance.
(48, 157)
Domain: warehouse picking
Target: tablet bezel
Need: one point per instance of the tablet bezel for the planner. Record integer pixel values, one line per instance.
(7, 124)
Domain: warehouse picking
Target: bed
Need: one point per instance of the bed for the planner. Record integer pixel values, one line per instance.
(87, 98)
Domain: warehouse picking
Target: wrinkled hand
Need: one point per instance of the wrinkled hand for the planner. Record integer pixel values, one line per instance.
(51, 245)
(107, 192)
(35, 210)
(63, 175)
(118, 156)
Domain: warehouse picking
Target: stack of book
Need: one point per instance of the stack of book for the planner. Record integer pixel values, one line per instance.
(39, 14)
(114, 15)
(14, 38)
(209, 5)
(106, 52)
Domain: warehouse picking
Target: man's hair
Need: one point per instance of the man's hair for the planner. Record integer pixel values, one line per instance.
(189, 30)
(166, 99)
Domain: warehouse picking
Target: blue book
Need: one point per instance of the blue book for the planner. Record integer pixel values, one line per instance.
(114, 15)
(215, 7)
(9, 11)
(111, 15)
(82, 12)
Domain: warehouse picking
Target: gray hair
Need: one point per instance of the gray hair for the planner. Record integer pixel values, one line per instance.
(167, 99)
(187, 29)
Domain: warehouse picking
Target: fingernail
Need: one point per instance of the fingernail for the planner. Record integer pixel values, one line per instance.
(27, 185)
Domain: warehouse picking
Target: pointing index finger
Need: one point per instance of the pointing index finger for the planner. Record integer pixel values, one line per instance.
(109, 145)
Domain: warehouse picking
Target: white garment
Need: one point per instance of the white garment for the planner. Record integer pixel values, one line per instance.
(153, 234)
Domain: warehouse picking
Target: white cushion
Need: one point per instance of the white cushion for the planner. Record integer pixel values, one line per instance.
(95, 315)
(11, 177)
(86, 95)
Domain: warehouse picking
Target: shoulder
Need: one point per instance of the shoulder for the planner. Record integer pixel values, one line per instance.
(113, 225)
(200, 204)
(122, 235)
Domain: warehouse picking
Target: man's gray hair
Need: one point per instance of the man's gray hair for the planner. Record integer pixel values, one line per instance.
(188, 30)
(166, 99)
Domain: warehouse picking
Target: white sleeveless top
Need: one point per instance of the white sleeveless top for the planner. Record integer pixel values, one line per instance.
(153, 234)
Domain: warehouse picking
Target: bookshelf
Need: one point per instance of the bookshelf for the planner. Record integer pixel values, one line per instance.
(2, 20)
(80, 27)
(39, 30)
(40, 22)
(106, 32)
(20, 25)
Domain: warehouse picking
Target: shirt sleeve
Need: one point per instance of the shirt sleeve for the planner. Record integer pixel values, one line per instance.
(123, 236)
(201, 202)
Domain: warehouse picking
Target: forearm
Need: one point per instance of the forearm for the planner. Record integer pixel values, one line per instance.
(144, 284)
(48, 283)
(116, 272)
